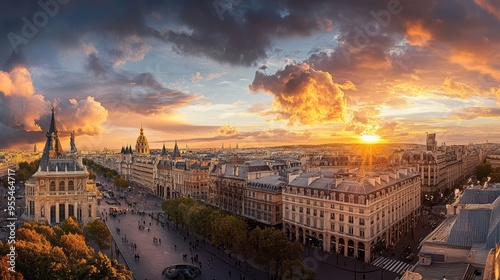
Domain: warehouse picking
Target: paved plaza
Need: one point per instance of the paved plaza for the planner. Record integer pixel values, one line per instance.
(155, 257)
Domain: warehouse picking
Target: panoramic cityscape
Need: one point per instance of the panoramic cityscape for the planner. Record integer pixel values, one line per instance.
(234, 139)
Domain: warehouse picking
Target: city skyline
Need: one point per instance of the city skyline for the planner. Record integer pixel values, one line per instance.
(251, 73)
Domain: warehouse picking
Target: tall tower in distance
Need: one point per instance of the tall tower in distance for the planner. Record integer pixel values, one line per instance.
(431, 142)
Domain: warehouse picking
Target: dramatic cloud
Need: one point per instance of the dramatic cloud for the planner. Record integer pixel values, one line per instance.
(302, 94)
(226, 130)
(84, 116)
(22, 107)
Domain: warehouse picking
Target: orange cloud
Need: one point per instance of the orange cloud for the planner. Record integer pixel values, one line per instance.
(416, 33)
(22, 105)
(477, 61)
(461, 90)
(84, 116)
(303, 94)
(226, 130)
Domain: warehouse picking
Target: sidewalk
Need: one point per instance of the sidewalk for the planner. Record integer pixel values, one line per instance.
(174, 244)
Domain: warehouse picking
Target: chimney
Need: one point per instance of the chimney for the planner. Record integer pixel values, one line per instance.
(223, 169)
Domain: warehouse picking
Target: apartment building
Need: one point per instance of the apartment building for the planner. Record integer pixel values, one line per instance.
(262, 200)
(444, 169)
(227, 183)
(356, 217)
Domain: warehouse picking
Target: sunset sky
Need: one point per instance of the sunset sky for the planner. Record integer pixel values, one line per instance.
(256, 73)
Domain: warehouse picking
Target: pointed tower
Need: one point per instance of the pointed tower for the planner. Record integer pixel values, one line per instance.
(163, 151)
(176, 154)
(237, 146)
(34, 149)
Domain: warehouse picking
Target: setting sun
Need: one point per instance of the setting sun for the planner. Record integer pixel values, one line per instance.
(370, 138)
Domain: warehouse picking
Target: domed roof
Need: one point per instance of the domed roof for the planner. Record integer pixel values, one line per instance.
(142, 138)
(142, 146)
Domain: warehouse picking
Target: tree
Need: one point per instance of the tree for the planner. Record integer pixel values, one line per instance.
(50, 253)
(228, 230)
(296, 269)
(273, 248)
(176, 211)
(483, 170)
(199, 220)
(5, 274)
(71, 226)
(120, 182)
(97, 232)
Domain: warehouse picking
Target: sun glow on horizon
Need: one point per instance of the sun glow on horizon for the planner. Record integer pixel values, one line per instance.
(367, 138)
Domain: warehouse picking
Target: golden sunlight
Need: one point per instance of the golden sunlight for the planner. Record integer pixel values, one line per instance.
(369, 138)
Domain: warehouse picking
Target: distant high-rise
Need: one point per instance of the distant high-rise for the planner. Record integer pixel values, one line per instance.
(431, 142)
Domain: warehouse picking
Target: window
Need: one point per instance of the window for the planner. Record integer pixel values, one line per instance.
(341, 207)
(52, 186)
(321, 213)
(71, 186)
(308, 221)
(351, 230)
(332, 216)
(293, 207)
(308, 211)
(362, 221)
(315, 212)
(332, 206)
(351, 219)
(362, 232)
(301, 210)
(341, 217)
(332, 226)
(277, 208)
(361, 211)
(341, 228)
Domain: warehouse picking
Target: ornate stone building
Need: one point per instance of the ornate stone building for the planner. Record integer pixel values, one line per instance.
(60, 188)
(356, 217)
(141, 145)
(227, 183)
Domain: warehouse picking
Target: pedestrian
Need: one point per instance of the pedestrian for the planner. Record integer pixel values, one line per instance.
(175, 247)
(159, 240)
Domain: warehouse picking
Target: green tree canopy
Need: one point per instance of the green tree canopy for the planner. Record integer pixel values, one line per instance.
(483, 170)
(97, 232)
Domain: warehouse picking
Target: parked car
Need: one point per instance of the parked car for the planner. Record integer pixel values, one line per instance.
(410, 257)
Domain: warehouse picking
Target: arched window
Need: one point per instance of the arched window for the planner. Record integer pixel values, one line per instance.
(62, 186)
(52, 186)
(71, 186)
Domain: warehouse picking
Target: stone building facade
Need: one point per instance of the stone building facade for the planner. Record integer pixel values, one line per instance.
(356, 217)
(61, 187)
